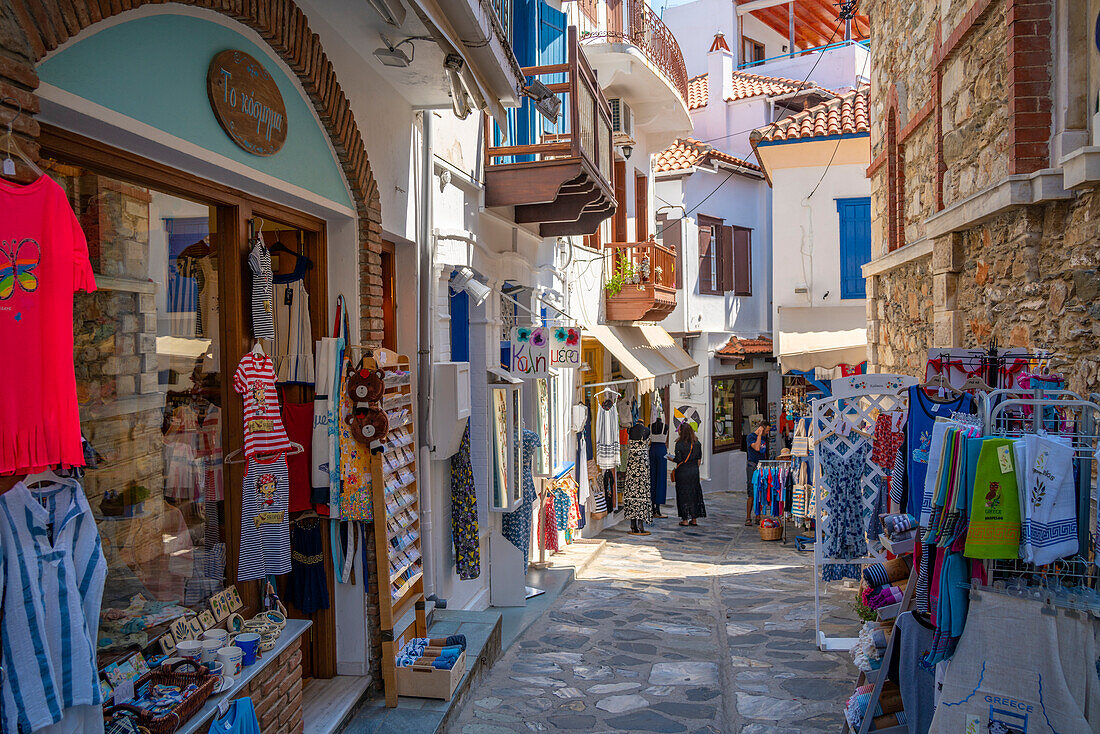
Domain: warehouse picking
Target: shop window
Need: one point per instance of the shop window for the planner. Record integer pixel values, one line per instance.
(709, 230)
(737, 402)
(151, 389)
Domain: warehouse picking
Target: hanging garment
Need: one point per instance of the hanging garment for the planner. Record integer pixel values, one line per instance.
(323, 401)
(994, 506)
(1007, 673)
(548, 524)
(842, 529)
(209, 310)
(263, 423)
(933, 474)
(923, 412)
(658, 465)
(516, 525)
(308, 586)
(263, 302)
(607, 438)
(464, 527)
(916, 680)
(293, 335)
(43, 261)
(637, 500)
(52, 587)
(1049, 523)
(265, 527)
(889, 432)
(689, 492)
(239, 719)
(354, 500)
(599, 495)
(299, 429)
(210, 451)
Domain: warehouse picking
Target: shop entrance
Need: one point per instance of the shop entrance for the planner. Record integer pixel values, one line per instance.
(156, 347)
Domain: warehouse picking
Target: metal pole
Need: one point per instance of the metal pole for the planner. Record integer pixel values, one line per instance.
(790, 27)
(847, 29)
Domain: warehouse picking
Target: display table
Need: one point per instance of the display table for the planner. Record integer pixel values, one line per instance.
(293, 630)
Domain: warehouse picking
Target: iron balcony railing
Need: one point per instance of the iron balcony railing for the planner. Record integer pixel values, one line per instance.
(634, 22)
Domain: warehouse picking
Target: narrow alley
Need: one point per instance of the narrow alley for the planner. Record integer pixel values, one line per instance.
(704, 629)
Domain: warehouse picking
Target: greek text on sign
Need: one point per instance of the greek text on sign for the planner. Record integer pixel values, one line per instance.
(536, 349)
(247, 102)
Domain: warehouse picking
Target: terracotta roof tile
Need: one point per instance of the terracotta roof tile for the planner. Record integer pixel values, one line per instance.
(688, 152)
(745, 85)
(842, 115)
(738, 347)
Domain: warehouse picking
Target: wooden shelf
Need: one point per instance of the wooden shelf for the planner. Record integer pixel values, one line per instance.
(393, 609)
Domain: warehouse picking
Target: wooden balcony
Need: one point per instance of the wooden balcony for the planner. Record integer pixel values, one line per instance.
(641, 284)
(563, 182)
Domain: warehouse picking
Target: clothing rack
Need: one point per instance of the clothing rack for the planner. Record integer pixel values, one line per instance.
(861, 397)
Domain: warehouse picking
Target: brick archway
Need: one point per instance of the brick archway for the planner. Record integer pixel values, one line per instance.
(46, 24)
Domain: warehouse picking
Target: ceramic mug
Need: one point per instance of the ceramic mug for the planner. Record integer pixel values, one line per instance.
(190, 649)
(230, 658)
(249, 642)
(220, 635)
(210, 651)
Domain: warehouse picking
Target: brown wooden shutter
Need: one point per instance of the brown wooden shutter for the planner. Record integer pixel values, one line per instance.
(618, 223)
(669, 235)
(706, 252)
(724, 253)
(641, 208)
(742, 261)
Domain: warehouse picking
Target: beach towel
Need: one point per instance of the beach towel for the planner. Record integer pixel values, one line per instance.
(994, 507)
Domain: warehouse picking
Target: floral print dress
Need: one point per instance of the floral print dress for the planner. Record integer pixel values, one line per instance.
(464, 528)
(516, 525)
(843, 527)
(637, 500)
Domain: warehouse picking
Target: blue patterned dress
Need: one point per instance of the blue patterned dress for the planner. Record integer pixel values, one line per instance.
(843, 528)
(516, 525)
(464, 529)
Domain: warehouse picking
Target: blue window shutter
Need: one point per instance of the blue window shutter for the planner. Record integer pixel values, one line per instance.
(551, 50)
(855, 244)
(460, 327)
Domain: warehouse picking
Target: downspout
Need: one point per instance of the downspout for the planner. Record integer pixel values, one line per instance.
(425, 277)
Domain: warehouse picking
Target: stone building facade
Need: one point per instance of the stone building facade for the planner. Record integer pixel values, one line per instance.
(984, 207)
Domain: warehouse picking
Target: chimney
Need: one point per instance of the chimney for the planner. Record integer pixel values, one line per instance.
(719, 70)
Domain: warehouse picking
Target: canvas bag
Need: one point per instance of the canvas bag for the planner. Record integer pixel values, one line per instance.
(800, 492)
(1008, 670)
(800, 442)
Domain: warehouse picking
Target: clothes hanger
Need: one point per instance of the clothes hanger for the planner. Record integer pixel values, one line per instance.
(258, 348)
(198, 250)
(278, 246)
(295, 449)
(48, 477)
(975, 383)
(11, 144)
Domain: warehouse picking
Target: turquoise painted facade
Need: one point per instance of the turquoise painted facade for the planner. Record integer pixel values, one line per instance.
(153, 69)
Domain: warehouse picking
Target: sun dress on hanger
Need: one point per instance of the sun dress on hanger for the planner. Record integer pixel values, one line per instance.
(842, 510)
(464, 527)
(637, 502)
(516, 525)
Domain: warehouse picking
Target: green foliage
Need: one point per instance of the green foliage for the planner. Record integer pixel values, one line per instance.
(620, 276)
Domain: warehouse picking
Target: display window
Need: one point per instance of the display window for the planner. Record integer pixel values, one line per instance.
(153, 346)
(736, 401)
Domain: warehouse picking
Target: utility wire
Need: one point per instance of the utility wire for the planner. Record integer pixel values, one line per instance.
(837, 146)
(772, 125)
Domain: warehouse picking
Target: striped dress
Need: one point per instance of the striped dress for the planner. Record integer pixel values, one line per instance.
(263, 301)
(263, 423)
(265, 525)
(52, 589)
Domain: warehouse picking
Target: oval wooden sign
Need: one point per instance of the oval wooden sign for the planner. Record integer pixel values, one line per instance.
(247, 102)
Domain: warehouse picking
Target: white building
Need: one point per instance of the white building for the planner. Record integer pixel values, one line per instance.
(816, 161)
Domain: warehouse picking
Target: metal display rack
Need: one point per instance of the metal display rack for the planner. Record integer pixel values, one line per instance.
(400, 565)
(855, 402)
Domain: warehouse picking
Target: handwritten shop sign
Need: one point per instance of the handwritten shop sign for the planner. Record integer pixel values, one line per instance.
(537, 349)
(247, 102)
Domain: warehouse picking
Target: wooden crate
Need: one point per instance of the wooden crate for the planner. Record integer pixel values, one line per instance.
(428, 682)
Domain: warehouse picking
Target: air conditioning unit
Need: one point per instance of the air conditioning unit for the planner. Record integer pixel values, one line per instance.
(622, 121)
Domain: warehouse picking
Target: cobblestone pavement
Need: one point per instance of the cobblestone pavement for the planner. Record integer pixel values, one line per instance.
(705, 629)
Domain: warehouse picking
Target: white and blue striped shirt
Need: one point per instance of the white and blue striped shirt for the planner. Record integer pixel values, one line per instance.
(51, 580)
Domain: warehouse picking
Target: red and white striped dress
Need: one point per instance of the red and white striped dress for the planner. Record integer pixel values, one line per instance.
(263, 424)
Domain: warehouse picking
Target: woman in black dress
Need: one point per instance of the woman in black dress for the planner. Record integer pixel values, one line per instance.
(689, 494)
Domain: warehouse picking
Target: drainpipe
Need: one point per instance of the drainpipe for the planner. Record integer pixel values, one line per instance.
(425, 277)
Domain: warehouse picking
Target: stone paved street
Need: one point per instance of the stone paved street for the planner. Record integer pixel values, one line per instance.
(704, 629)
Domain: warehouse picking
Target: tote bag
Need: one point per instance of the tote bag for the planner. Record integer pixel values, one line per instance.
(800, 442)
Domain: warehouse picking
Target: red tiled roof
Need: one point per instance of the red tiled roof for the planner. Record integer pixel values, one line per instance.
(688, 152)
(737, 347)
(841, 115)
(745, 85)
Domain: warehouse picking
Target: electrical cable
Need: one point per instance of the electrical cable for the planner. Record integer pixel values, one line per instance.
(837, 146)
(771, 125)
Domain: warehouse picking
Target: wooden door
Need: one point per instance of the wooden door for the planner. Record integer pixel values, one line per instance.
(641, 207)
(618, 224)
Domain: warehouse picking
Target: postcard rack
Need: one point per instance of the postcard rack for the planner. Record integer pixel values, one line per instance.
(400, 564)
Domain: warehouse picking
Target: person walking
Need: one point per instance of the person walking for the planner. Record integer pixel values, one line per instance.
(757, 450)
(689, 493)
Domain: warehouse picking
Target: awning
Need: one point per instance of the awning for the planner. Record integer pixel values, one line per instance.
(662, 341)
(640, 357)
(828, 336)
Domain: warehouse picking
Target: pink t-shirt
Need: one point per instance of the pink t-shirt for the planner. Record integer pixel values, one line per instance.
(43, 260)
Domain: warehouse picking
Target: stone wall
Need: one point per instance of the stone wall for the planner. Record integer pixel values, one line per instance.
(900, 323)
